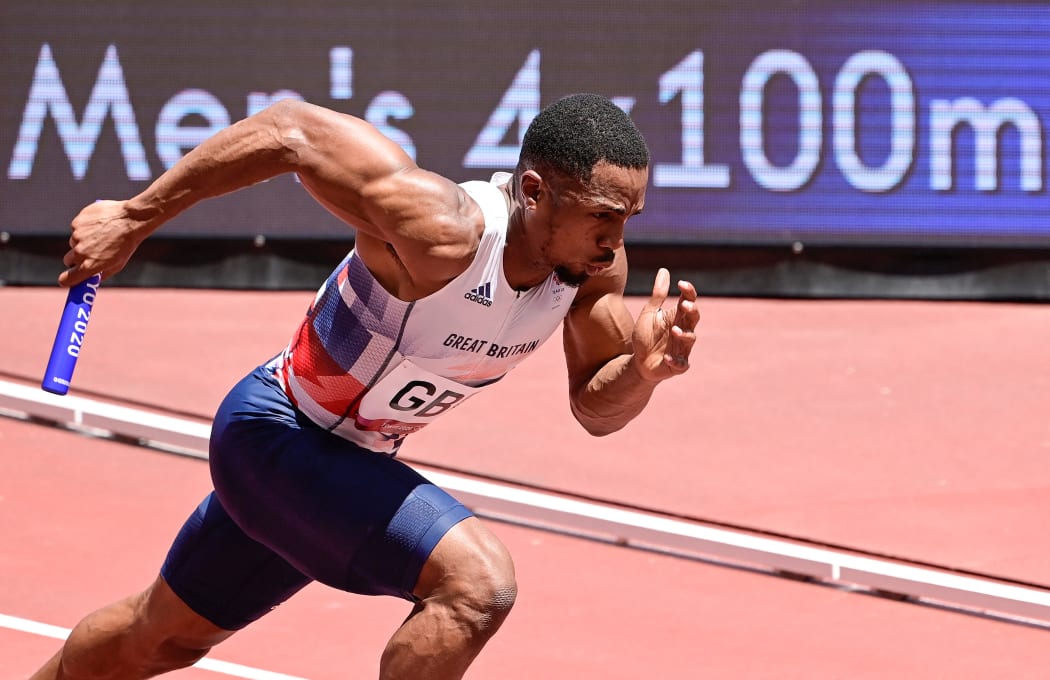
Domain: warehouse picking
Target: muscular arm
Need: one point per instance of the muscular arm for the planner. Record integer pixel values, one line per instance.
(346, 164)
(614, 361)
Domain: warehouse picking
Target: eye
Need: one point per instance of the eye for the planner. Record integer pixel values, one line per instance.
(601, 215)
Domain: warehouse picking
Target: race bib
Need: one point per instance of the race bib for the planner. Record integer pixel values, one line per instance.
(407, 399)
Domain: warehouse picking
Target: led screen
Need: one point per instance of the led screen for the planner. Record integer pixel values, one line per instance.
(918, 123)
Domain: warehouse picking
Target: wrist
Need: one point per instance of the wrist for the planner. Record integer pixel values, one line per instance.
(641, 371)
(145, 215)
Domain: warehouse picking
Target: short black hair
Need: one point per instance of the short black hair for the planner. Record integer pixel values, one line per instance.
(576, 132)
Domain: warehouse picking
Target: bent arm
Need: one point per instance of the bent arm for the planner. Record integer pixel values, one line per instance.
(615, 362)
(345, 163)
(251, 150)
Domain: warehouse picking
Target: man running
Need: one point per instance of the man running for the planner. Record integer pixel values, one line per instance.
(448, 287)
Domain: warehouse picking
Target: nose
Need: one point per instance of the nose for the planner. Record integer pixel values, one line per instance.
(612, 239)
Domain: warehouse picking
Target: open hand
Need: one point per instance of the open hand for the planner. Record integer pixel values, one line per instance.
(663, 339)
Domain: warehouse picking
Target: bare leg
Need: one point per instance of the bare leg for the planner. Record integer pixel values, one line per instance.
(466, 590)
(144, 635)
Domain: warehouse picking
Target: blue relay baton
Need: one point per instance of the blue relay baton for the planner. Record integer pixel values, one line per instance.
(70, 336)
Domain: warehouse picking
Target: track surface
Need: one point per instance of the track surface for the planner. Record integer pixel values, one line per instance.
(913, 429)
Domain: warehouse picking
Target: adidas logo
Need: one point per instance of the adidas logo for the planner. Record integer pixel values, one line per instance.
(481, 295)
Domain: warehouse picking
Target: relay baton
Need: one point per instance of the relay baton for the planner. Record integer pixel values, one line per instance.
(70, 336)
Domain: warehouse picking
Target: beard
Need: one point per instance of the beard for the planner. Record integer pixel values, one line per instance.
(576, 279)
(570, 278)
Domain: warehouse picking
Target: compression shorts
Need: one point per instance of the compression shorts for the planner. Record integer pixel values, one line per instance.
(294, 503)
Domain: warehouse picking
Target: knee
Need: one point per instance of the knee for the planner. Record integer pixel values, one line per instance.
(111, 645)
(468, 581)
(488, 605)
(483, 595)
(142, 636)
(482, 611)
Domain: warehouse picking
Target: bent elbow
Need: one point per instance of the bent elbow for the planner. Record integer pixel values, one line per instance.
(601, 430)
(287, 120)
(287, 113)
(596, 425)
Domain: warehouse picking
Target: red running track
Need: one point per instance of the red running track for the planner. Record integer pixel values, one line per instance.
(910, 428)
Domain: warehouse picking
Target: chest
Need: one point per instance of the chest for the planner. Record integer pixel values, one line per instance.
(476, 331)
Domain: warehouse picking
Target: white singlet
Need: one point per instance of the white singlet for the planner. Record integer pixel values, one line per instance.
(372, 368)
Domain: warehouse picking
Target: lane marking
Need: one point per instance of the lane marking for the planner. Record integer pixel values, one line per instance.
(33, 627)
(1027, 602)
(225, 667)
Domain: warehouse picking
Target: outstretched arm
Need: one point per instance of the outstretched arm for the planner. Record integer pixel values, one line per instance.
(614, 361)
(345, 163)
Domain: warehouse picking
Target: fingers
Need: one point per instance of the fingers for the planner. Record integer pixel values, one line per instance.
(75, 265)
(69, 277)
(683, 332)
(91, 250)
(75, 274)
(686, 300)
(661, 286)
(680, 347)
(663, 332)
(687, 290)
(687, 313)
(79, 266)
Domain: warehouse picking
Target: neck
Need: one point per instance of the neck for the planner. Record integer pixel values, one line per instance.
(522, 268)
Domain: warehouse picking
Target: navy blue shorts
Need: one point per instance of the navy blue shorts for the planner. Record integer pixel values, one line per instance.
(294, 503)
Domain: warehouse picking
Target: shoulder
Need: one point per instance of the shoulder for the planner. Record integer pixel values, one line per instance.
(430, 209)
(434, 228)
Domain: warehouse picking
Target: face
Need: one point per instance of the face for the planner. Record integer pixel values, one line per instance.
(583, 224)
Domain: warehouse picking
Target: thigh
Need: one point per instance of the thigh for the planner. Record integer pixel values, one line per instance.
(354, 519)
(224, 575)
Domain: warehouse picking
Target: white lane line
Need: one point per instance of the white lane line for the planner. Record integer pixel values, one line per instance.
(225, 667)
(33, 627)
(624, 526)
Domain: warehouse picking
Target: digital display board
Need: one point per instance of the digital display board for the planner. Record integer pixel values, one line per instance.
(895, 123)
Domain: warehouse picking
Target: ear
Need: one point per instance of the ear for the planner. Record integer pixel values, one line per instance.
(531, 188)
